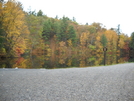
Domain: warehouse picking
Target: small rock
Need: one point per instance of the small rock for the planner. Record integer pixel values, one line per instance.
(16, 67)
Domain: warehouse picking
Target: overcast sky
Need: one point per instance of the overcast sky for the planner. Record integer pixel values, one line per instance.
(108, 12)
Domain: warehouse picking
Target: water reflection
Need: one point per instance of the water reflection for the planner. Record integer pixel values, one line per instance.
(63, 61)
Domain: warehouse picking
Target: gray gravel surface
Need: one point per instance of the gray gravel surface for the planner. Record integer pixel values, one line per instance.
(104, 83)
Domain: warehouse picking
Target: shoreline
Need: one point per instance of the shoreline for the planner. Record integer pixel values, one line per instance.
(71, 67)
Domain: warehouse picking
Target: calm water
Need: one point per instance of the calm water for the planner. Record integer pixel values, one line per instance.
(63, 61)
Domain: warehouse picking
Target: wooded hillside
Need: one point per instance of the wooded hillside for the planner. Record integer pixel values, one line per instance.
(31, 33)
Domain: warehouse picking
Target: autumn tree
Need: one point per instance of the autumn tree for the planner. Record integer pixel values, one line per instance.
(112, 38)
(93, 30)
(98, 43)
(13, 25)
(35, 26)
(1, 30)
(122, 41)
(84, 38)
(98, 26)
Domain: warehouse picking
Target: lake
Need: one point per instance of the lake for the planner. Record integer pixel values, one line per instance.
(63, 60)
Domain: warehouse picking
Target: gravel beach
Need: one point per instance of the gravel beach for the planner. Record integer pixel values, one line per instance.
(104, 83)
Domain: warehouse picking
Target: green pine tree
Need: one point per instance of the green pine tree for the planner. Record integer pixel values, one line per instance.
(47, 30)
(72, 34)
(40, 13)
(62, 35)
(104, 40)
(131, 45)
(50, 28)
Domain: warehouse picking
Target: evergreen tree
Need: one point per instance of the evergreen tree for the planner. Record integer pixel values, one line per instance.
(72, 34)
(74, 20)
(32, 13)
(62, 35)
(1, 36)
(56, 17)
(40, 13)
(103, 40)
(131, 45)
(50, 28)
(47, 30)
(1, 0)
(86, 23)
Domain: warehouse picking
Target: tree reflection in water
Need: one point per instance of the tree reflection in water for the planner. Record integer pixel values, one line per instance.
(63, 61)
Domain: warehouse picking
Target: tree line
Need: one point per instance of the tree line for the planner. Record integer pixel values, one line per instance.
(29, 32)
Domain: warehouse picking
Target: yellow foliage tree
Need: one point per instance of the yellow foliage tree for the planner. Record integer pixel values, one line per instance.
(98, 43)
(112, 38)
(13, 24)
(84, 38)
(70, 43)
(35, 28)
(122, 41)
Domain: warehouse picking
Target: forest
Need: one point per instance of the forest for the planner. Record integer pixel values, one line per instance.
(33, 33)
